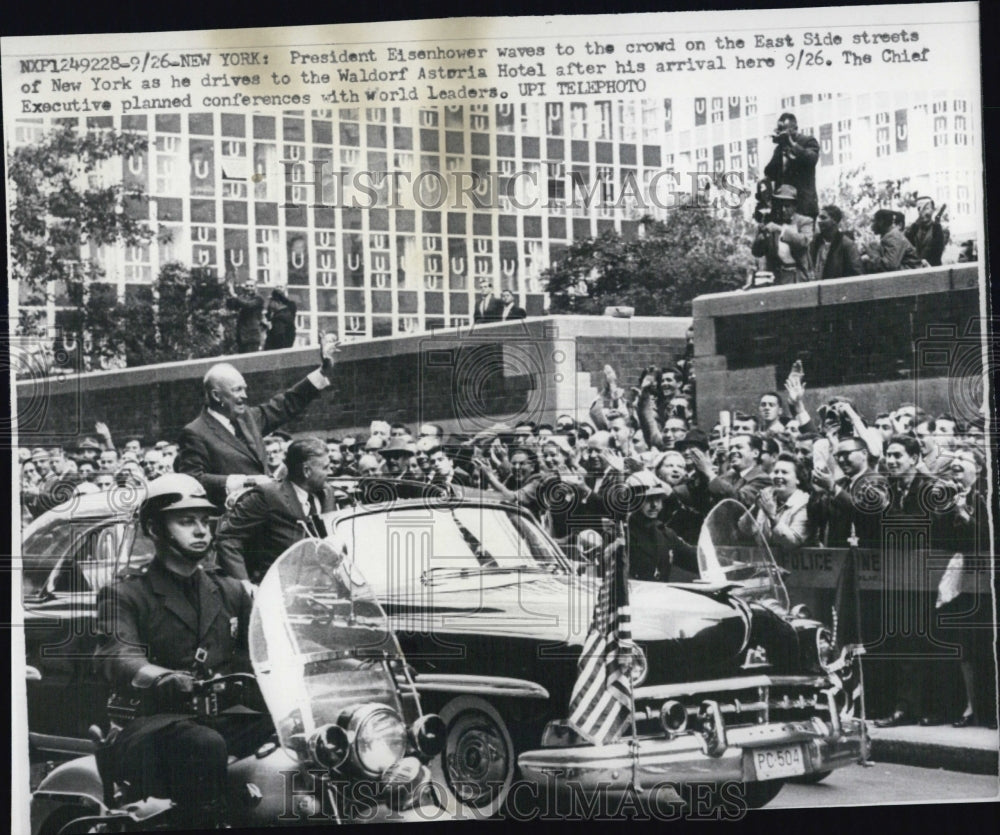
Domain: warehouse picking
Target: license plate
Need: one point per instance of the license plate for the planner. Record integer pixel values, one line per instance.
(770, 763)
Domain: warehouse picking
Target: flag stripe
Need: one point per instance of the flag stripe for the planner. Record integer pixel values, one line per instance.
(601, 700)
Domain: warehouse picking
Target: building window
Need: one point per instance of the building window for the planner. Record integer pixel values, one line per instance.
(939, 107)
(578, 121)
(531, 122)
(750, 105)
(626, 121)
(717, 109)
(961, 131)
(604, 120)
(556, 182)
(554, 118)
(963, 204)
(652, 111)
(882, 142)
(940, 131)
(138, 266)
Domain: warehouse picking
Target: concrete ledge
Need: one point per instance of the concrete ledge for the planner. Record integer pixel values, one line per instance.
(971, 750)
(839, 291)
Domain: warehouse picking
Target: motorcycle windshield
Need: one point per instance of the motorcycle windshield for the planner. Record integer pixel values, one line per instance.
(732, 549)
(319, 642)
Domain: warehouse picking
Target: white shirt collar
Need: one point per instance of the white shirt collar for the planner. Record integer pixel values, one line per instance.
(303, 496)
(223, 420)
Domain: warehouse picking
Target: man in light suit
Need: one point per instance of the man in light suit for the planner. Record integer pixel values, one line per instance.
(224, 446)
(509, 309)
(268, 519)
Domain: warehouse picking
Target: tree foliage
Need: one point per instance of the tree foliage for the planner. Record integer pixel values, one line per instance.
(183, 316)
(693, 252)
(60, 201)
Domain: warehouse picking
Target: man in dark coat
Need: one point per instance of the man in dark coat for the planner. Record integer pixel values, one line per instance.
(249, 309)
(224, 446)
(265, 521)
(488, 307)
(926, 234)
(509, 309)
(163, 627)
(281, 312)
(832, 253)
(794, 164)
(655, 552)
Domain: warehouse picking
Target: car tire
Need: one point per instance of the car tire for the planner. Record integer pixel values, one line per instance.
(758, 795)
(811, 779)
(479, 761)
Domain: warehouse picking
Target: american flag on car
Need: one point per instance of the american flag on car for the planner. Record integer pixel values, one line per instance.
(600, 706)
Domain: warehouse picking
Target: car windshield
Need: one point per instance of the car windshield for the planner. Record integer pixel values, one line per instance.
(412, 541)
(733, 549)
(319, 642)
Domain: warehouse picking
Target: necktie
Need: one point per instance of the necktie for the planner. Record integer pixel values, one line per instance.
(314, 517)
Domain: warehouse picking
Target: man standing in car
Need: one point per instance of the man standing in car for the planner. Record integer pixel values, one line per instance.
(163, 627)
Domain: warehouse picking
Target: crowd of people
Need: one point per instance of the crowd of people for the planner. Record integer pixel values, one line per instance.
(798, 240)
(831, 476)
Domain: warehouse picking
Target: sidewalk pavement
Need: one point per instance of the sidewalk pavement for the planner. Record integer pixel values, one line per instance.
(973, 750)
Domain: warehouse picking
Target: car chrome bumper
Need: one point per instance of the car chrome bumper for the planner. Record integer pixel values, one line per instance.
(686, 757)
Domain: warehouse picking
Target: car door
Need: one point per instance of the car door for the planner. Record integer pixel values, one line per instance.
(64, 567)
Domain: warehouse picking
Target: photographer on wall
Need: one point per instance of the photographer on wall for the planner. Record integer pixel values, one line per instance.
(793, 163)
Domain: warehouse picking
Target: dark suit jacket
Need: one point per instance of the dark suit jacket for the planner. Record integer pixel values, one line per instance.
(933, 244)
(493, 310)
(210, 453)
(734, 486)
(799, 172)
(262, 524)
(249, 318)
(514, 313)
(842, 258)
(861, 507)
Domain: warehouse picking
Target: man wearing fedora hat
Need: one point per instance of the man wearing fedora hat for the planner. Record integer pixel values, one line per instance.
(398, 455)
(783, 241)
(793, 163)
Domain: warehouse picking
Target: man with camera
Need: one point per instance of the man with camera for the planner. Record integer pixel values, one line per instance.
(783, 238)
(794, 164)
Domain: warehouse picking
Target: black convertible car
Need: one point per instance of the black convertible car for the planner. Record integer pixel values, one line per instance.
(733, 686)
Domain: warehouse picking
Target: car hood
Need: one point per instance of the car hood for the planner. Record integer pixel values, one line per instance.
(559, 607)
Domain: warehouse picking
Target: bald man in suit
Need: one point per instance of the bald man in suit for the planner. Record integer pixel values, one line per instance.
(224, 446)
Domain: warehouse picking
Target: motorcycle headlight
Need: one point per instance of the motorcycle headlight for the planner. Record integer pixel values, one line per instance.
(826, 650)
(379, 738)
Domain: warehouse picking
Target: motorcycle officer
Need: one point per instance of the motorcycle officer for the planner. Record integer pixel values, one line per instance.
(164, 626)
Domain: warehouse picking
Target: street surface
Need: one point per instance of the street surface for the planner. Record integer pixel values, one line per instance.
(884, 782)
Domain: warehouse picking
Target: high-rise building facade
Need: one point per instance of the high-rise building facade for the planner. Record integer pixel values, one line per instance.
(385, 220)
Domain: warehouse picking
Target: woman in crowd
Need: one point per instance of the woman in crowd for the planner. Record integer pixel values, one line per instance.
(782, 508)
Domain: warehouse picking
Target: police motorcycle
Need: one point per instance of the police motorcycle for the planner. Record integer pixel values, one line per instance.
(351, 743)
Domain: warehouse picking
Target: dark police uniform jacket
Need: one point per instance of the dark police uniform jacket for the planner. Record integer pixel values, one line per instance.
(146, 618)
